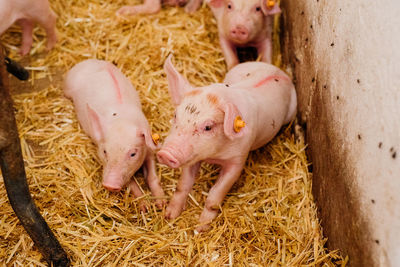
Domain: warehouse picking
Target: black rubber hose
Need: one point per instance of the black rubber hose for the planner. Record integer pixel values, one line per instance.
(16, 69)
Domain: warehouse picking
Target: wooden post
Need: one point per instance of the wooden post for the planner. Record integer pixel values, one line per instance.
(12, 168)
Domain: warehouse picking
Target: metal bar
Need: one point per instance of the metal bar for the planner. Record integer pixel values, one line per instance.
(12, 168)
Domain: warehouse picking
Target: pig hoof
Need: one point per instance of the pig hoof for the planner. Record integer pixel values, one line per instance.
(172, 213)
(203, 228)
(50, 44)
(143, 206)
(190, 8)
(161, 203)
(126, 10)
(24, 51)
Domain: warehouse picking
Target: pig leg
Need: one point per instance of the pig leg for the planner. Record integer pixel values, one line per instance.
(138, 193)
(229, 51)
(192, 6)
(178, 202)
(153, 181)
(27, 29)
(265, 50)
(174, 2)
(48, 22)
(228, 176)
(148, 7)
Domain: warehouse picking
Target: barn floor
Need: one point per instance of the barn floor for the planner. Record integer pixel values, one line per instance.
(267, 219)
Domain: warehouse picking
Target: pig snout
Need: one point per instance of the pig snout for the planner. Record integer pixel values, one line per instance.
(111, 187)
(167, 158)
(174, 155)
(112, 182)
(239, 32)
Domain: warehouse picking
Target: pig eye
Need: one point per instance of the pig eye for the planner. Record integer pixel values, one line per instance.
(258, 8)
(207, 128)
(133, 154)
(105, 152)
(229, 6)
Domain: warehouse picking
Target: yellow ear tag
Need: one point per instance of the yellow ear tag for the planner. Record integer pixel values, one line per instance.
(270, 4)
(238, 124)
(155, 138)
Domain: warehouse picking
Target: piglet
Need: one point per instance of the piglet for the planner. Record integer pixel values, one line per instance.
(220, 124)
(26, 13)
(109, 111)
(154, 6)
(244, 23)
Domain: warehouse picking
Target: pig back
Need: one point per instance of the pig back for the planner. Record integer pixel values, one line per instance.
(266, 104)
(251, 71)
(99, 83)
(101, 86)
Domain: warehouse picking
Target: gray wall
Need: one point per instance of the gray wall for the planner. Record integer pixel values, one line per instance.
(345, 59)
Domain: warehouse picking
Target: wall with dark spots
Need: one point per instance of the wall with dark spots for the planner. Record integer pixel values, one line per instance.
(344, 57)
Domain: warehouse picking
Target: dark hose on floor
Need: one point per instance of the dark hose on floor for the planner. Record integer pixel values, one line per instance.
(12, 168)
(16, 69)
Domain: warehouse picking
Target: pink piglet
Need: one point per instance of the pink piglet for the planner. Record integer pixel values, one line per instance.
(109, 110)
(219, 124)
(244, 23)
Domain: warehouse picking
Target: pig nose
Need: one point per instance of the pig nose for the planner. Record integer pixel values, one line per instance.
(112, 187)
(240, 32)
(165, 157)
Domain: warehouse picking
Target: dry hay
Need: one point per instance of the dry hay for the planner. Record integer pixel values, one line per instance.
(268, 218)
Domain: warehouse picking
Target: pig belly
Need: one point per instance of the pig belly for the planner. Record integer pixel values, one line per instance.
(266, 132)
(271, 112)
(8, 17)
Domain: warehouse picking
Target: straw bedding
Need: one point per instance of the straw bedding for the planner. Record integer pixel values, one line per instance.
(267, 219)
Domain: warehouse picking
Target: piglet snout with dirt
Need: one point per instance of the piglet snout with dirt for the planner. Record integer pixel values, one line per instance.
(220, 124)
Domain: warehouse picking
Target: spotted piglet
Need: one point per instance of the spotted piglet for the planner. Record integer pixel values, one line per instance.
(220, 124)
(109, 111)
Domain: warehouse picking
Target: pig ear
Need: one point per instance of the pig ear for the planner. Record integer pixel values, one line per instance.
(95, 124)
(145, 133)
(231, 113)
(177, 84)
(270, 11)
(215, 3)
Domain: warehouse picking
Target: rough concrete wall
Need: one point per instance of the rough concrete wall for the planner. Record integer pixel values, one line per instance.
(345, 58)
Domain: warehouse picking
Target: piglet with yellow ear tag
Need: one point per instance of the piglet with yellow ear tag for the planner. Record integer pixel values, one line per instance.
(220, 124)
(109, 110)
(244, 23)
